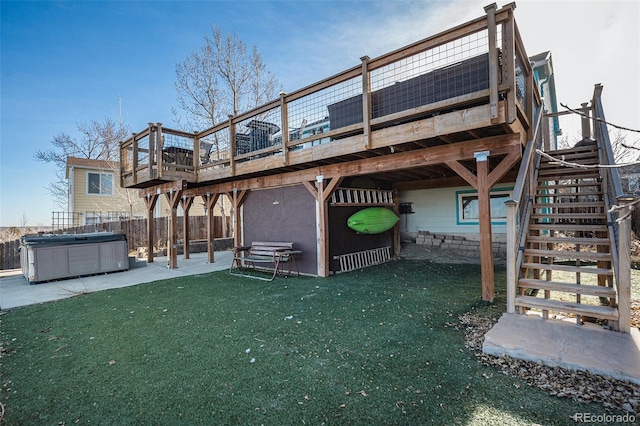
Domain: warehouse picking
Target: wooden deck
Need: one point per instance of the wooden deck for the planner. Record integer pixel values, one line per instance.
(405, 118)
(456, 108)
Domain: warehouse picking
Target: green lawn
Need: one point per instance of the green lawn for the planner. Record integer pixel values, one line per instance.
(369, 347)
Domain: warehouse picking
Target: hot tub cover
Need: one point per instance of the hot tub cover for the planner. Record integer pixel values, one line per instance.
(70, 239)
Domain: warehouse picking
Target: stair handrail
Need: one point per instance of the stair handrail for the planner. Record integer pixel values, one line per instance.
(613, 195)
(611, 179)
(519, 207)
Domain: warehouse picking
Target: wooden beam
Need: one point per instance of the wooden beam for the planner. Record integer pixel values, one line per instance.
(503, 167)
(463, 172)
(210, 201)
(498, 145)
(164, 188)
(446, 182)
(185, 203)
(331, 187)
(150, 203)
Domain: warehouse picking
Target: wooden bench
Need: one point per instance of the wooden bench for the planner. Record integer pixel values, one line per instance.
(262, 253)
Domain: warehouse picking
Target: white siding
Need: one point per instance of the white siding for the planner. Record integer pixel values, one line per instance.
(435, 210)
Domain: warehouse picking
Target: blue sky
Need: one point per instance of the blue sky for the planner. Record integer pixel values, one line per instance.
(68, 62)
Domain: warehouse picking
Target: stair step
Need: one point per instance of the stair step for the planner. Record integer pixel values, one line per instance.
(567, 268)
(569, 185)
(570, 194)
(601, 216)
(589, 290)
(567, 254)
(570, 156)
(558, 175)
(576, 205)
(581, 160)
(587, 227)
(574, 149)
(568, 240)
(604, 312)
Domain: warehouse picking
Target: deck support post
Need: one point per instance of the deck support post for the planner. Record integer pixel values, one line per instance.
(321, 192)
(512, 254)
(486, 239)
(210, 201)
(173, 199)
(185, 203)
(150, 203)
(237, 198)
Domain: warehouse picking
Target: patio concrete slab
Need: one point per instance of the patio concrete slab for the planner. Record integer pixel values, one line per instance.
(560, 343)
(16, 291)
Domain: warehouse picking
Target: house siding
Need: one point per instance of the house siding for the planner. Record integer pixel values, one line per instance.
(435, 211)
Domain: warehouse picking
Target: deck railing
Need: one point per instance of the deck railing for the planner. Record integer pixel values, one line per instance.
(477, 63)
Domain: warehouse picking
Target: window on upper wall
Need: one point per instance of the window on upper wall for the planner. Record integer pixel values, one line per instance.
(100, 183)
(469, 211)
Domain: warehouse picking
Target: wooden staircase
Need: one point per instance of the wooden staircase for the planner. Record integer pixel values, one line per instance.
(567, 263)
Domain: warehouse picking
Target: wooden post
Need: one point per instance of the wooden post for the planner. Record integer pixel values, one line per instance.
(150, 202)
(493, 61)
(509, 61)
(284, 125)
(322, 220)
(152, 150)
(586, 121)
(173, 198)
(512, 254)
(186, 203)
(232, 146)
(486, 241)
(237, 198)
(624, 266)
(366, 102)
(210, 201)
(396, 228)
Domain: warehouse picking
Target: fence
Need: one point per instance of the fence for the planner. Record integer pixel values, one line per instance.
(135, 229)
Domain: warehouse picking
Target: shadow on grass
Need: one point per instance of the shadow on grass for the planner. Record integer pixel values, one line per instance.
(375, 346)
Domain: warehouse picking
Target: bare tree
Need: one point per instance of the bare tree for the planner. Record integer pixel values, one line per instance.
(99, 141)
(223, 78)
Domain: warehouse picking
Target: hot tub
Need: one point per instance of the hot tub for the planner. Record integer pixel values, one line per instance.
(53, 257)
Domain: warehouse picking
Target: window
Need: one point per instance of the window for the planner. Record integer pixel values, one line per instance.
(100, 183)
(469, 212)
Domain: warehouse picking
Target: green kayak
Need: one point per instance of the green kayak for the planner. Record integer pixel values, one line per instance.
(373, 220)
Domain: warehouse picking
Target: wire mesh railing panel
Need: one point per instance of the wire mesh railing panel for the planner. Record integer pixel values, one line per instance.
(259, 133)
(177, 149)
(216, 149)
(521, 84)
(327, 109)
(452, 69)
(143, 151)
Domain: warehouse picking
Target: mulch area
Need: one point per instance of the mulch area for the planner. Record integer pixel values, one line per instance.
(580, 386)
